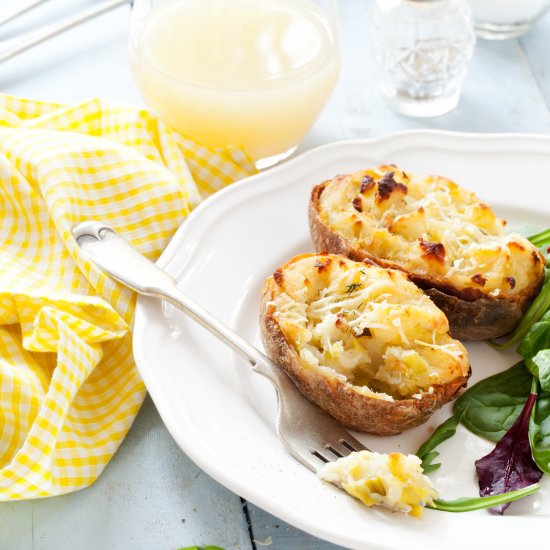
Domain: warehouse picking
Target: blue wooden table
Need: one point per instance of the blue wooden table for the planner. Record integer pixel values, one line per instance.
(151, 496)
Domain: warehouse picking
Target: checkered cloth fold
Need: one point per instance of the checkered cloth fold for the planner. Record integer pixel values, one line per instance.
(69, 388)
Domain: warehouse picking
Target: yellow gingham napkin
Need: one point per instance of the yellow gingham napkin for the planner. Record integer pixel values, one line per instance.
(69, 389)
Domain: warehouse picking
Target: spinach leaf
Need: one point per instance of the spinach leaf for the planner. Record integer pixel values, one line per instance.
(539, 238)
(468, 504)
(539, 432)
(526, 230)
(537, 339)
(490, 407)
(536, 310)
(542, 363)
(510, 466)
(443, 432)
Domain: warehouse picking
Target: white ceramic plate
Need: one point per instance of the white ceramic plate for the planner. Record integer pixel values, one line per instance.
(222, 414)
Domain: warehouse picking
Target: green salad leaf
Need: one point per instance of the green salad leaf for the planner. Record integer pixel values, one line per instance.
(535, 312)
(443, 432)
(468, 504)
(542, 364)
(527, 230)
(539, 432)
(538, 238)
(536, 339)
(490, 407)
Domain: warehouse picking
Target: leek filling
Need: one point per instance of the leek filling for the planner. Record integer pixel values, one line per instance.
(395, 480)
(376, 331)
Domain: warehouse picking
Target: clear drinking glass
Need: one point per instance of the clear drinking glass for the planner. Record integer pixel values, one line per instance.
(249, 73)
(502, 19)
(422, 48)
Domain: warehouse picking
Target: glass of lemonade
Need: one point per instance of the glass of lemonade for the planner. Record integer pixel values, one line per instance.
(248, 73)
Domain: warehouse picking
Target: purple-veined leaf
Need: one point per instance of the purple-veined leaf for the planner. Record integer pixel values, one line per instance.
(510, 465)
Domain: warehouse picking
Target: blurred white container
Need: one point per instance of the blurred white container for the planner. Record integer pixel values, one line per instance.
(502, 19)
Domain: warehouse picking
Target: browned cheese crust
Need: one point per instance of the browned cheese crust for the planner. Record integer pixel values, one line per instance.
(352, 409)
(472, 314)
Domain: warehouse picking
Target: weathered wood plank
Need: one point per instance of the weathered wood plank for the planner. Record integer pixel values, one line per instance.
(536, 45)
(271, 533)
(150, 496)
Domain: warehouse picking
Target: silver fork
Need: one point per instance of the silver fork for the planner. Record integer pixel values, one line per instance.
(312, 436)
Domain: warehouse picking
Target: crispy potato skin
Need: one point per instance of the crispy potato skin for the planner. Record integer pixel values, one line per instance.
(472, 314)
(339, 399)
(481, 319)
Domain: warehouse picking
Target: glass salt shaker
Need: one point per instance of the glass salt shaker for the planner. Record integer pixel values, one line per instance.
(422, 48)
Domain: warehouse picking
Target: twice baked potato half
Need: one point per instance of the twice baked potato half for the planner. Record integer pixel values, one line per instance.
(443, 237)
(362, 342)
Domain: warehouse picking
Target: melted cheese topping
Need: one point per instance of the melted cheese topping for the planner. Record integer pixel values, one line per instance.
(432, 227)
(366, 325)
(393, 480)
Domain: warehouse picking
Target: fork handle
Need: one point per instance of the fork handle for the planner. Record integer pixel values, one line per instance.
(305, 430)
(22, 43)
(210, 323)
(113, 255)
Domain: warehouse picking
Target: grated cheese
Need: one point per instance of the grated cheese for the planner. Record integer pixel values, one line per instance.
(367, 325)
(433, 210)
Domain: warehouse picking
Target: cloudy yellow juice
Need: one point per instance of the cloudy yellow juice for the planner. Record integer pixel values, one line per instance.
(251, 73)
